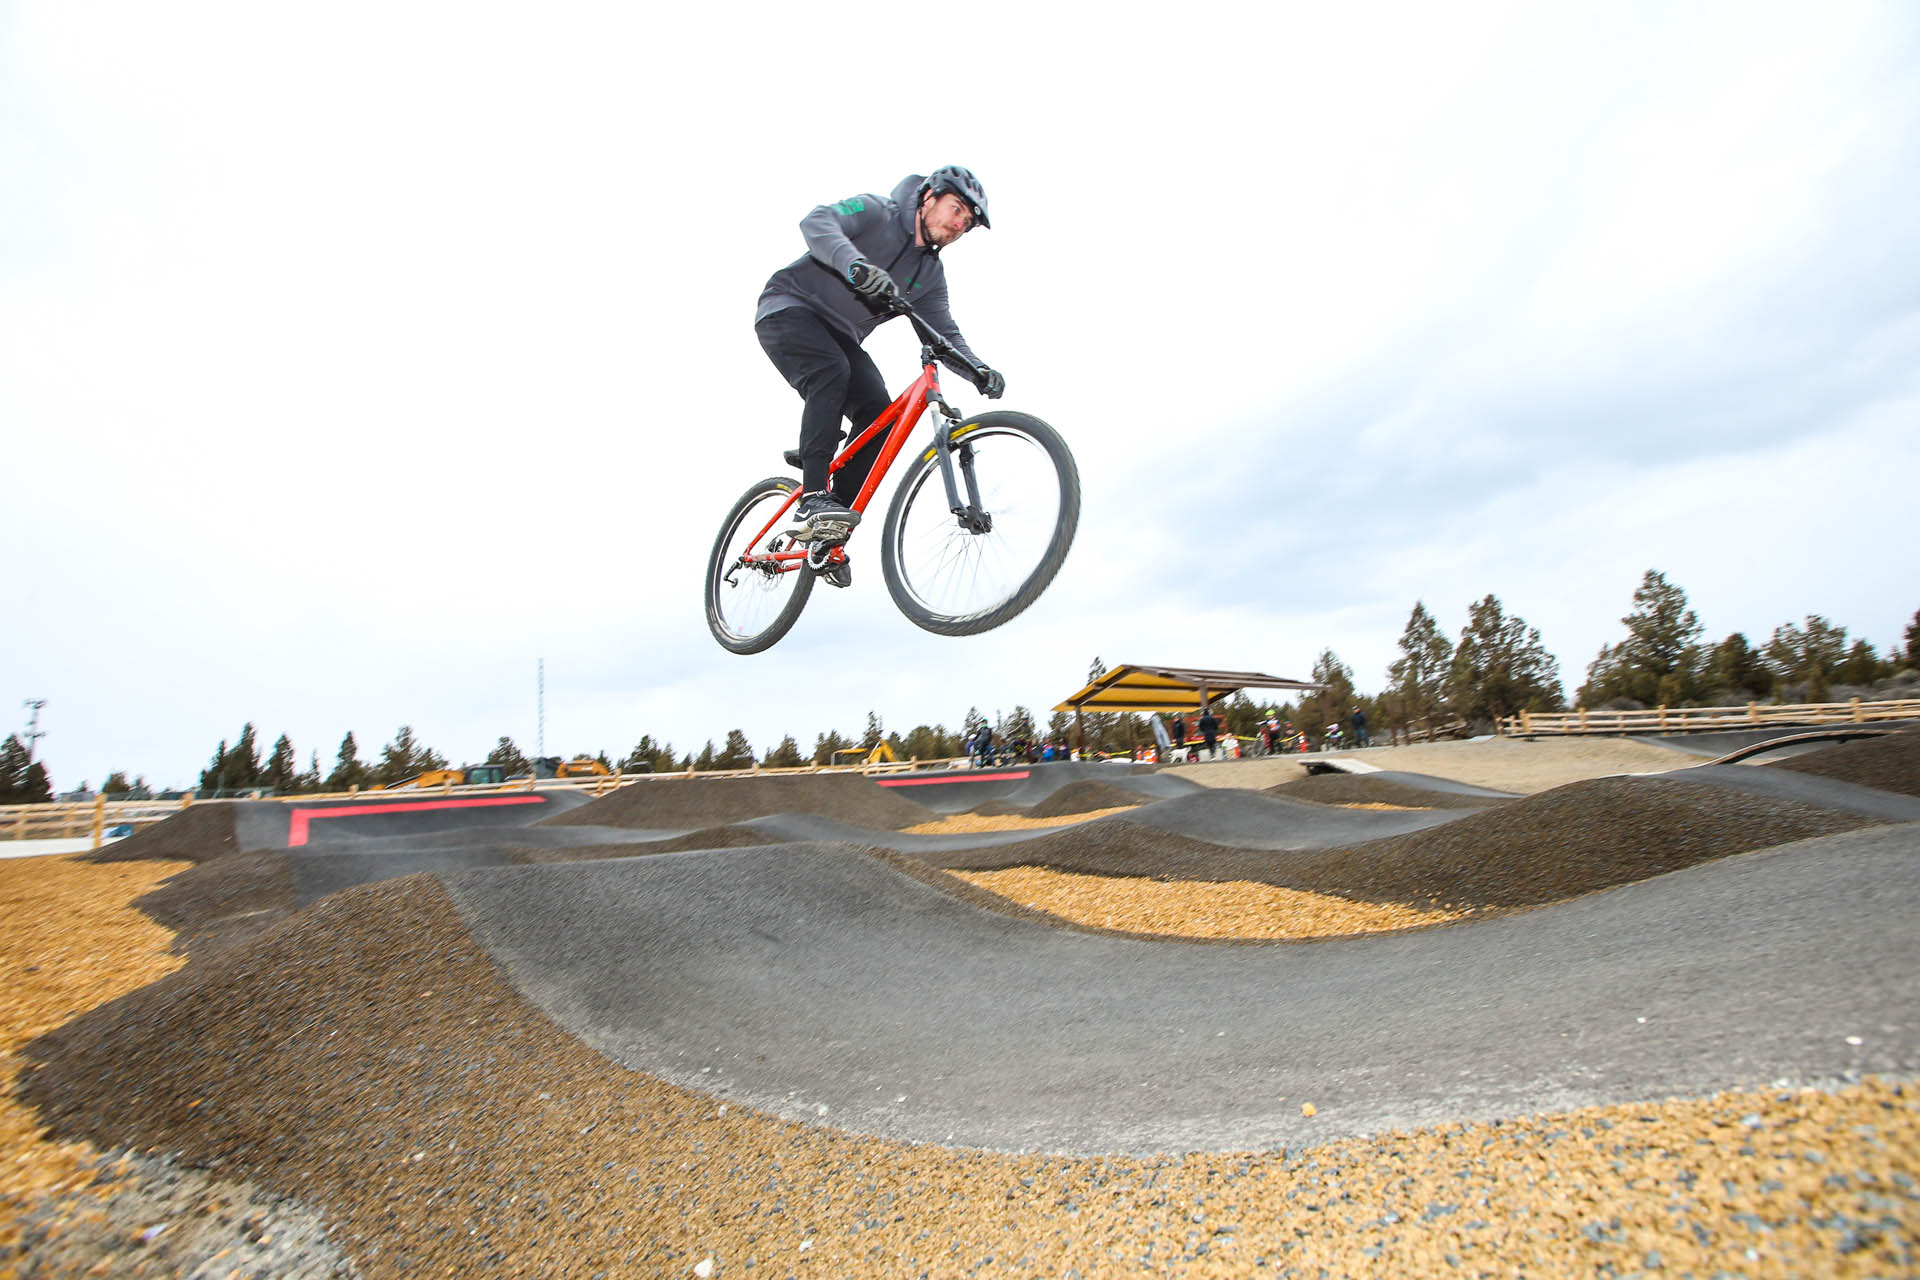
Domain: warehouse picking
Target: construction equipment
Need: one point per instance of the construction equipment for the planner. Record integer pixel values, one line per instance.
(581, 766)
(881, 754)
(468, 775)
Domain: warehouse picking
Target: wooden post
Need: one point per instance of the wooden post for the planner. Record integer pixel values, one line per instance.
(1858, 718)
(1526, 722)
(1753, 711)
(1583, 719)
(99, 817)
(1663, 715)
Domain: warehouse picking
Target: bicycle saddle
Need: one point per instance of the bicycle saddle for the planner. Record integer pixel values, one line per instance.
(792, 458)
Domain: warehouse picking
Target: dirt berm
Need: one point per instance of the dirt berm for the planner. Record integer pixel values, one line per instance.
(195, 834)
(1891, 763)
(1084, 797)
(1360, 788)
(1563, 843)
(710, 802)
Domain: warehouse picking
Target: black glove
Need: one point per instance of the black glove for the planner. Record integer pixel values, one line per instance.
(991, 383)
(870, 281)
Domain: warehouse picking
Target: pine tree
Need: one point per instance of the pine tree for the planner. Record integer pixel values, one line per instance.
(1329, 707)
(233, 769)
(786, 755)
(1660, 661)
(215, 770)
(116, 787)
(37, 787)
(1501, 667)
(309, 781)
(244, 768)
(280, 776)
(649, 756)
(1862, 665)
(405, 758)
(1913, 640)
(1813, 654)
(1735, 667)
(738, 753)
(875, 734)
(349, 772)
(704, 762)
(1420, 674)
(13, 770)
(508, 756)
(1243, 717)
(825, 745)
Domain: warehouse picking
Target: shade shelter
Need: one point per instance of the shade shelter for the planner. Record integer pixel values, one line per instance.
(1157, 689)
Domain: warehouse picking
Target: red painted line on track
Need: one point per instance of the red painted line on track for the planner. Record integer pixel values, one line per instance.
(301, 819)
(941, 782)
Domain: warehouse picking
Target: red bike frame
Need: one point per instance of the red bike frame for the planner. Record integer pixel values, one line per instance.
(898, 419)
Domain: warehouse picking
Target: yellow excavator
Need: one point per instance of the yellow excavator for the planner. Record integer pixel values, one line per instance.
(881, 754)
(467, 775)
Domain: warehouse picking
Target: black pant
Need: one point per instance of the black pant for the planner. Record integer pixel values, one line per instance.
(837, 380)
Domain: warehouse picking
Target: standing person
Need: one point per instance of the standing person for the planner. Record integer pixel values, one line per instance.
(814, 313)
(1177, 730)
(1209, 731)
(1360, 738)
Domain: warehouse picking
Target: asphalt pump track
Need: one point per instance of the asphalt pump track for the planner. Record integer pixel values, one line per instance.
(828, 972)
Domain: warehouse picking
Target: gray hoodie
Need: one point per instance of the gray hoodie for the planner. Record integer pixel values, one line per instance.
(881, 230)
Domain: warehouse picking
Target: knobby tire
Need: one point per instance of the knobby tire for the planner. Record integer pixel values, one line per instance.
(754, 509)
(922, 485)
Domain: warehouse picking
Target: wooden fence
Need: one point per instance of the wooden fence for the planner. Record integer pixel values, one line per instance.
(94, 818)
(1703, 719)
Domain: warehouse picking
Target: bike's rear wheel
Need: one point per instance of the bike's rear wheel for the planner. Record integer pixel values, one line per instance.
(959, 581)
(752, 602)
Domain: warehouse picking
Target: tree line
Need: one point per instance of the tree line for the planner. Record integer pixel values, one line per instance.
(1497, 667)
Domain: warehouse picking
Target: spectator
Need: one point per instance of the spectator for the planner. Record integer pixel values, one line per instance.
(1360, 738)
(1177, 730)
(982, 747)
(1210, 732)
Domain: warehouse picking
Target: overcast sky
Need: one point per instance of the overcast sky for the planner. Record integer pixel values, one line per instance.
(354, 357)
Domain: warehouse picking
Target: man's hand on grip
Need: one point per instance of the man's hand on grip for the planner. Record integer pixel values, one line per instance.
(870, 281)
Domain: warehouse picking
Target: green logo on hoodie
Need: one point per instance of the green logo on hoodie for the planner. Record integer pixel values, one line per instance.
(852, 204)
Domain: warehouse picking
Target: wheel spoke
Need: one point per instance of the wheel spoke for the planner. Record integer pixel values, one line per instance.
(752, 598)
(953, 574)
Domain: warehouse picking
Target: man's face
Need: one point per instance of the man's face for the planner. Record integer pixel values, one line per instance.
(947, 218)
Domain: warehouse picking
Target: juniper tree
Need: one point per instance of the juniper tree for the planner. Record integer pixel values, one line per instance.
(1501, 667)
(1419, 675)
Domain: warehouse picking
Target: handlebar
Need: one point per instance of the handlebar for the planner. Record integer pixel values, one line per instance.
(930, 337)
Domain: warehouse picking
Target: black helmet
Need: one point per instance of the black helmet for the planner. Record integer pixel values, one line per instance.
(952, 179)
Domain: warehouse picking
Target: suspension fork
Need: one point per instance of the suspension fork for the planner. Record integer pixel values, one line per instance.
(972, 518)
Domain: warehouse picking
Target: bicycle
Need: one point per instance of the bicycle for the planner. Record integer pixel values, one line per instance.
(959, 557)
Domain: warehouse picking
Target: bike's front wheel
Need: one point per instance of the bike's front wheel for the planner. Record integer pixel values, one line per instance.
(757, 582)
(959, 574)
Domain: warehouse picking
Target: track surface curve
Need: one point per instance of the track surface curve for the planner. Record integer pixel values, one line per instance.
(815, 982)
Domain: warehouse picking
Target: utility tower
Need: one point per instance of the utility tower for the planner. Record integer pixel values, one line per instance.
(34, 731)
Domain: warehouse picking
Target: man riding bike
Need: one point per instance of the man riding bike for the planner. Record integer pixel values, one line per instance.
(815, 312)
